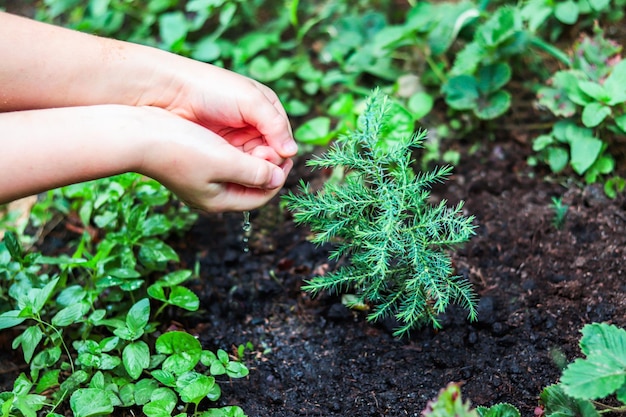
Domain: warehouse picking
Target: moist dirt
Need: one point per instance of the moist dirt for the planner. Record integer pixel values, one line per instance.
(538, 286)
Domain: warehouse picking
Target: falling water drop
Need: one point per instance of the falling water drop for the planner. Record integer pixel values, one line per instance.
(247, 229)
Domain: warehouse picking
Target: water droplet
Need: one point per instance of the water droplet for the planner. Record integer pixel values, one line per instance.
(247, 230)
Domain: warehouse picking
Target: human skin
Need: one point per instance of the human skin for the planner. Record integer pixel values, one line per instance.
(78, 107)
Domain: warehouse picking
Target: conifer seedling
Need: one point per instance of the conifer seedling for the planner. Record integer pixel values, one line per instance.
(381, 221)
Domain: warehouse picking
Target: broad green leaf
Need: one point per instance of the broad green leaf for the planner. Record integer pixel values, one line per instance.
(29, 340)
(162, 403)
(593, 378)
(420, 104)
(157, 292)
(71, 295)
(498, 410)
(184, 350)
(13, 245)
(10, 318)
(557, 158)
(192, 386)
(604, 339)
(500, 27)
(136, 358)
(175, 278)
(595, 91)
(584, 147)
(594, 114)
(91, 402)
(566, 12)
(461, 92)
(46, 358)
(315, 131)
(154, 253)
(48, 380)
(184, 298)
(68, 315)
(39, 297)
(144, 389)
(493, 106)
(557, 404)
(236, 370)
(138, 316)
(173, 28)
(599, 5)
(265, 71)
(615, 84)
(166, 378)
(492, 78)
(206, 50)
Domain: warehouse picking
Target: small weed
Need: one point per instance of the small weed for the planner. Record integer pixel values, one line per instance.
(560, 212)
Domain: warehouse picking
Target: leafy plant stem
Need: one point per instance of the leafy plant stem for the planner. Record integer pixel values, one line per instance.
(551, 49)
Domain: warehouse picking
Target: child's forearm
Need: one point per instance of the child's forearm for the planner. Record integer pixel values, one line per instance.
(43, 149)
(47, 66)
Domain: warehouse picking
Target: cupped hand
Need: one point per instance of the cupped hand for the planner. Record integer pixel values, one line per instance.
(243, 111)
(208, 172)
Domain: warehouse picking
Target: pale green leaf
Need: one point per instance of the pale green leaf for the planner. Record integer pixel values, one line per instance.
(136, 358)
(91, 402)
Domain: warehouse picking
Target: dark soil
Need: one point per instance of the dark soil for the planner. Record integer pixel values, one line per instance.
(538, 286)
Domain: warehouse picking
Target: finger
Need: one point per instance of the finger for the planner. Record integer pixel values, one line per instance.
(270, 119)
(250, 171)
(267, 153)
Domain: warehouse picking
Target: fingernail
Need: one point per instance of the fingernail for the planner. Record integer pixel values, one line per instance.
(290, 148)
(278, 178)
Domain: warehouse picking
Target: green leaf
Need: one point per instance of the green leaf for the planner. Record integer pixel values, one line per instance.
(599, 5)
(236, 370)
(265, 71)
(136, 358)
(144, 389)
(461, 92)
(594, 114)
(493, 77)
(48, 380)
(420, 104)
(315, 131)
(68, 315)
(493, 106)
(206, 50)
(184, 350)
(162, 403)
(10, 318)
(175, 278)
(29, 340)
(154, 253)
(558, 404)
(192, 386)
(595, 91)
(173, 28)
(166, 378)
(615, 84)
(138, 316)
(566, 12)
(39, 297)
(184, 298)
(620, 121)
(91, 402)
(603, 372)
(584, 148)
(498, 410)
(557, 158)
(13, 245)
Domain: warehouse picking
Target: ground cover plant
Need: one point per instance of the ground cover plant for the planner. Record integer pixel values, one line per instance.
(116, 297)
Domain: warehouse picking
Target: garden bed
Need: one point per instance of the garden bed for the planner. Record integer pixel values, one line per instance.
(538, 285)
